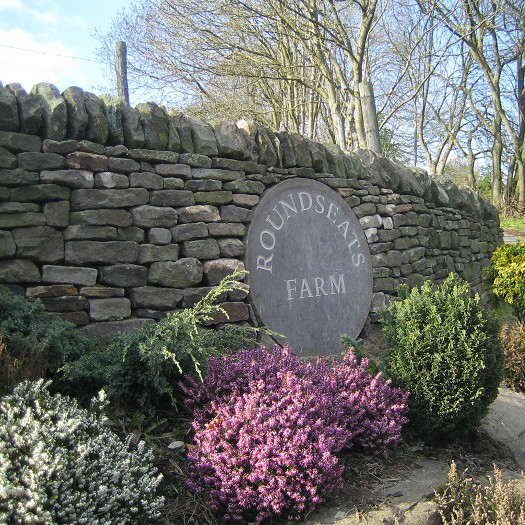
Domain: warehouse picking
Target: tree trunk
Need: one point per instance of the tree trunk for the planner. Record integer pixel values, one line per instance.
(369, 111)
(121, 68)
(497, 152)
(520, 161)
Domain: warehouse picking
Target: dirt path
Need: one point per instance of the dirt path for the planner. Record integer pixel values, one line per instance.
(405, 497)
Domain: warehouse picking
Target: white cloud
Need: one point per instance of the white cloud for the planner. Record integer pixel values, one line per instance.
(42, 64)
(10, 4)
(46, 17)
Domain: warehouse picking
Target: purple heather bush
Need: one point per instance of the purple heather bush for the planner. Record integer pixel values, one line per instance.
(268, 427)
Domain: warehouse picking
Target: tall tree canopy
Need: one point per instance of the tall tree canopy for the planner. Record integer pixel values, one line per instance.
(447, 74)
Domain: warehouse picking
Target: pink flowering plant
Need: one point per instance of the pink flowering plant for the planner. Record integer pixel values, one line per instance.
(268, 427)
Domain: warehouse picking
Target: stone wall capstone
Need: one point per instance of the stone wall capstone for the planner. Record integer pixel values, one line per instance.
(115, 215)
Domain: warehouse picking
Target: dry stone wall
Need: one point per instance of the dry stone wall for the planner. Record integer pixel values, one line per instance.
(115, 215)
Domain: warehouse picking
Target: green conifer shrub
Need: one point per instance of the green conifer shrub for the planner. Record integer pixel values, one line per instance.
(34, 343)
(141, 369)
(59, 464)
(445, 350)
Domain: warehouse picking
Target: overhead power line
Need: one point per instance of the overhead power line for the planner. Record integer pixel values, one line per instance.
(50, 54)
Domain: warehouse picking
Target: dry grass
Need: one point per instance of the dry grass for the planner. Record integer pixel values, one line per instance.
(17, 368)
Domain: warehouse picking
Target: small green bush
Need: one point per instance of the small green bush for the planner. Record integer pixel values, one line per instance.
(513, 338)
(58, 464)
(141, 369)
(446, 352)
(506, 276)
(35, 343)
(464, 502)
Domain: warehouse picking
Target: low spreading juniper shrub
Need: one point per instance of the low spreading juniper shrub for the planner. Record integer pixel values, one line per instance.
(268, 427)
(506, 276)
(513, 338)
(443, 348)
(59, 464)
(35, 343)
(141, 369)
(464, 502)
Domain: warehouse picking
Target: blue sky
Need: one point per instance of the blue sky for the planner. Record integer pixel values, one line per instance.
(55, 27)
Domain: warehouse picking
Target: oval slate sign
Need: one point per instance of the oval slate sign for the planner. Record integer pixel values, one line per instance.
(310, 268)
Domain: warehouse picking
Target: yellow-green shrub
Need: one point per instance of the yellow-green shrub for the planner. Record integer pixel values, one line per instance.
(506, 276)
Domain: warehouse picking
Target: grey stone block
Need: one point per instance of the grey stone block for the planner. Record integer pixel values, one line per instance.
(231, 141)
(179, 274)
(245, 186)
(131, 233)
(94, 233)
(245, 201)
(213, 197)
(16, 220)
(102, 218)
(231, 247)
(149, 253)
(173, 184)
(132, 128)
(186, 232)
(123, 165)
(155, 297)
(101, 291)
(9, 120)
(154, 216)
(195, 160)
(155, 125)
(19, 207)
(159, 236)
(109, 309)
(7, 245)
(69, 274)
(215, 271)
(236, 214)
(41, 193)
(35, 161)
(18, 142)
(150, 181)
(97, 129)
(110, 180)
(7, 159)
(77, 117)
(65, 304)
(53, 111)
(102, 198)
(201, 249)
(30, 114)
(53, 290)
(172, 198)
(173, 170)
(74, 179)
(203, 138)
(199, 213)
(203, 185)
(224, 229)
(100, 252)
(39, 243)
(109, 329)
(57, 213)
(150, 155)
(217, 174)
(124, 275)
(87, 161)
(19, 271)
